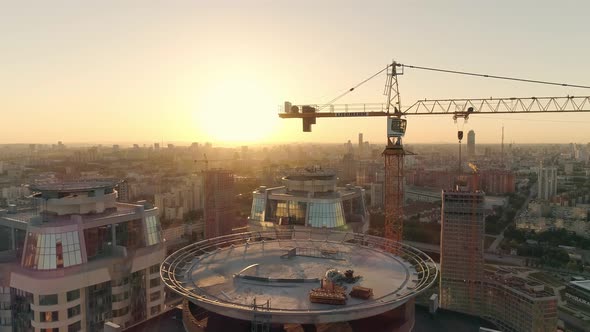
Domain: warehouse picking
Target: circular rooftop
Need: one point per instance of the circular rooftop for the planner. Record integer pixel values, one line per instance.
(74, 186)
(230, 274)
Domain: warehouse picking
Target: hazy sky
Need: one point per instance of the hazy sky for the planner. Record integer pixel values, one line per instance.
(137, 71)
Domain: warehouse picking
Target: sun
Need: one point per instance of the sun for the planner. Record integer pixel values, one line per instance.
(236, 111)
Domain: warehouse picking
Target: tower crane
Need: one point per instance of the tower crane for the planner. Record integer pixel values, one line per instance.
(396, 123)
(206, 161)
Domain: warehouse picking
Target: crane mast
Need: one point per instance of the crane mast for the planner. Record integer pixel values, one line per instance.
(394, 152)
(393, 157)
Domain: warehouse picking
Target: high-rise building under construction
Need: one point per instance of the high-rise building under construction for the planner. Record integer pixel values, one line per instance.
(219, 210)
(461, 248)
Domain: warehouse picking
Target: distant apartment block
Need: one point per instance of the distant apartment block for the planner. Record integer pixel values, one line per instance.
(517, 304)
(547, 182)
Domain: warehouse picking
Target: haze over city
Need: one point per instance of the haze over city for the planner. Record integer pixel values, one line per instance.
(133, 72)
(294, 166)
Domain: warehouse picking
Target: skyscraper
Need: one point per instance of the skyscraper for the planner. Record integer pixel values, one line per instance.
(547, 182)
(471, 144)
(461, 250)
(219, 195)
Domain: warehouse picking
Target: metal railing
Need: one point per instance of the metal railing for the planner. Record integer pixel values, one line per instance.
(176, 268)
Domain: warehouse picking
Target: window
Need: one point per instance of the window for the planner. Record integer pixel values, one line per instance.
(120, 312)
(155, 269)
(6, 321)
(5, 238)
(98, 240)
(120, 282)
(120, 297)
(155, 296)
(128, 234)
(153, 230)
(51, 251)
(77, 326)
(49, 316)
(258, 206)
(73, 311)
(73, 295)
(48, 299)
(326, 215)
(154, 282)
(155, 310)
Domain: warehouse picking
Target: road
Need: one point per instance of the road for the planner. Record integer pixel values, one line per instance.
(489, 257)
(494, 246)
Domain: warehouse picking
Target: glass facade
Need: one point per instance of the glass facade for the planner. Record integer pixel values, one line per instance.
(138, 297)
(258, 208)
(52, 250)
(153, 230)
(5, 238)
(19, 237)
(126, 234)
(98, 306)
(21, 310)
(326, 215)
(98, 240)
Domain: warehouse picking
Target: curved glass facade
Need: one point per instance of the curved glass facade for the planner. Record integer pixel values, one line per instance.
(326, 215)
(47, 251)
(258, 208)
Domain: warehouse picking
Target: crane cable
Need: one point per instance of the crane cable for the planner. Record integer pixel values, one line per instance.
(451, 72)
(495, 76)
(354, 87)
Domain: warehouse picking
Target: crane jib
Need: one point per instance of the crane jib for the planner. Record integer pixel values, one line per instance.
(349, 114)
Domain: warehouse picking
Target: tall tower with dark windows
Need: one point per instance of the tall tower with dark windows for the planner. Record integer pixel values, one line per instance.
(219, 208)
(461, 250)
(471, 144)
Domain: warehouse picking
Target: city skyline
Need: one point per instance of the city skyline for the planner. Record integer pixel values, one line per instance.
(218, 72)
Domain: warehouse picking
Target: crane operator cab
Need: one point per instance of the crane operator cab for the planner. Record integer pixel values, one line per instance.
(396, 129)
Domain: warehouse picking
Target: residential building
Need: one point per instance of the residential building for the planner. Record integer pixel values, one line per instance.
(310, 197)
(79, 260)
(547, 182)
(517, 304)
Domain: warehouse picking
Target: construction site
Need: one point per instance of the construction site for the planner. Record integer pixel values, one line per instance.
(299, 280)
(317, 279)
